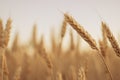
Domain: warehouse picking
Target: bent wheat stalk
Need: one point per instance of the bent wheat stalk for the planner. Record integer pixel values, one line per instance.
(87, 37)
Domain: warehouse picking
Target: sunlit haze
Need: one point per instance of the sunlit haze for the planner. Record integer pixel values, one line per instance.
(48, 13)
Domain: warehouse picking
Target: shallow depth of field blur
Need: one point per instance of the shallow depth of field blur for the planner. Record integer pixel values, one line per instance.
(36, 50)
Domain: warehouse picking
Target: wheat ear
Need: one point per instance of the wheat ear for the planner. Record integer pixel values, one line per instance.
(81, 31)
(112, 39)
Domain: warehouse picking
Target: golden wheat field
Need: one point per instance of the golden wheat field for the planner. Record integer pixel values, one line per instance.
(33, 61)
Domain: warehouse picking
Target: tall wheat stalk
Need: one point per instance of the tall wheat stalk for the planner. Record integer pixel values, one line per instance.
(4, 39)
(103, 43)
(112, 39)
(87, 37)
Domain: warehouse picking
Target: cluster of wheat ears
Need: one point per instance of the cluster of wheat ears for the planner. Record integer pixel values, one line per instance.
(16, 63)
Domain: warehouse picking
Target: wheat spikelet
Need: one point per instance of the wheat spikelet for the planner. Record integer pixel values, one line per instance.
(84, 34)
(112, 39)
(7, 31)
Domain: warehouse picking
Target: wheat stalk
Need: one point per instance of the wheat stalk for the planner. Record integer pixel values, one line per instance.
(103, 43)
(87, 37)
(4, 38)
(112, 39)
(63, 28)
